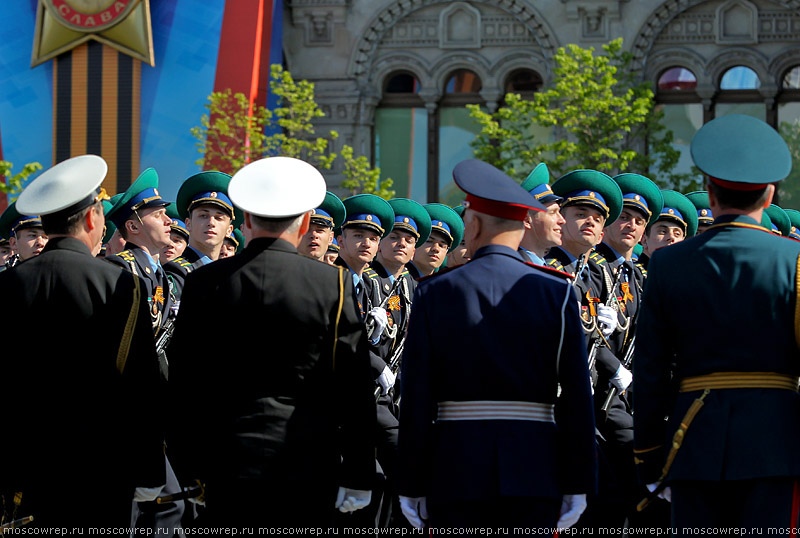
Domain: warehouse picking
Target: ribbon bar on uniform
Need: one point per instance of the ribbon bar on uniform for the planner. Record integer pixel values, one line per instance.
(740, 380)
(496, 410)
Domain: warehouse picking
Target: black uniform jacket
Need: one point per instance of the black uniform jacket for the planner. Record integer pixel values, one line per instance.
(284, 397)
(723, 301)
(519, 337)
(159, 298)
(82, 430)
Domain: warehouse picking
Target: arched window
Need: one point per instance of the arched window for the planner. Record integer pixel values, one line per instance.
(739, 78)
(677, 78)
(523, 81)
(456, 131)
(739, 94)
(401, 136)
(677, 98)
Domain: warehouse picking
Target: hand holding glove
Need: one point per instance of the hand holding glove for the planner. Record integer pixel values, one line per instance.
(415, 509)
(386, 380)
(622, 379)
(572, 506)
(377, 320)
(350, 500)
(606, 319)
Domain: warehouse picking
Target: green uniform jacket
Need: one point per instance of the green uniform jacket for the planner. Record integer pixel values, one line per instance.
(723, 301)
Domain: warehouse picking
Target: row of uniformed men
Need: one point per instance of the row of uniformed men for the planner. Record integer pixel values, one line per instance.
(587, 234)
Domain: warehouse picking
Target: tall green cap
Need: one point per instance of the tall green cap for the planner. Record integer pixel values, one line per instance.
(779, 218)
(368, 211)
(446, 221)
(677, 207)
(640, 193)
(411, 217)
(592, 188)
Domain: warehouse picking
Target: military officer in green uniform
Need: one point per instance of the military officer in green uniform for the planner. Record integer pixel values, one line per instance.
(204, 205)
(705, 217)
(327, 217)
(447, 231)
(677, 221)
(717, 349)
(542, 228)
(140, 216)
(621, 282)
(178, 236)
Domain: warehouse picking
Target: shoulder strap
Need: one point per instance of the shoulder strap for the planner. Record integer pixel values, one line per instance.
(338, 316)
(127, 335)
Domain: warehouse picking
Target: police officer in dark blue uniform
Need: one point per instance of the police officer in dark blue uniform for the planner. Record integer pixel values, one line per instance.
(485, 439)
(717, 349)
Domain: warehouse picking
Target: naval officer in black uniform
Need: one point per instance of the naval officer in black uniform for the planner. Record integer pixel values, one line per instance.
(485, 440)
(717, 348)
(84, 401)
(283, 417)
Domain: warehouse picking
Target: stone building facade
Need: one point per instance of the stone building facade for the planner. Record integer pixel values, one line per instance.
(393, 75)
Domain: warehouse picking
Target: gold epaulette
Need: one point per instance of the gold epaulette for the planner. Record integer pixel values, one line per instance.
(555, 264)
(598, 258)
(126, 255)
(370, 272)
(183, 262)
(641, 268)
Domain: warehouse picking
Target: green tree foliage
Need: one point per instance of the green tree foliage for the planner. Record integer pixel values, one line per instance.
(789, 189)
(14, 182)
(598, 116)
(232, 134)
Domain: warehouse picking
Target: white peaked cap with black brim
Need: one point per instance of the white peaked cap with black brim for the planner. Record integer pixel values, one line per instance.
(67, 187)
(277, 187)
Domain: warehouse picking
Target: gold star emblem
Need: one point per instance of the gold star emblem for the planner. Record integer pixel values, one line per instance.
(62, 25)
(591, 194)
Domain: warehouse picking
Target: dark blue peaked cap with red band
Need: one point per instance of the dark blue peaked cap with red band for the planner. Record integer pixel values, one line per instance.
(492, 192)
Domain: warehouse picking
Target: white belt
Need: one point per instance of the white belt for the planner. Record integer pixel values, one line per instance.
(496, 410)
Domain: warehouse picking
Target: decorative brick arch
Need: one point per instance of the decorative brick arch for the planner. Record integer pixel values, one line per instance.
(365, 51)
(663, 15)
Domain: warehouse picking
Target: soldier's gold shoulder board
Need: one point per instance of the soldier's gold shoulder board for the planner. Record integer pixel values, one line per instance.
(126, 255)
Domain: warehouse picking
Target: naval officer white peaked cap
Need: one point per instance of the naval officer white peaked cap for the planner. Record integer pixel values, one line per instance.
(277, 187)
(69, 186)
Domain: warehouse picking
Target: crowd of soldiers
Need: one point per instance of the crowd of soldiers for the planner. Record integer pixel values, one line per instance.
(262, 353)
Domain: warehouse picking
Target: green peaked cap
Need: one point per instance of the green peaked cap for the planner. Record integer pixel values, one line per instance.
(675, 201)
(445, 220)
(582, 186)
(362, 210)
(778, 217)
(405, 211)
(333, 206)
(637, 189)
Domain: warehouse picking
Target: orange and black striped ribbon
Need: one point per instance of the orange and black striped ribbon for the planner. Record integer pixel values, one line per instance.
(96, 107)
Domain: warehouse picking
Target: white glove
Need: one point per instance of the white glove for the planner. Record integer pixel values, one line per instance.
(142, 495)
(607, 319)
(386, 380)
(572, 506)
(622, 379)
(415, 509)
(350, 500)
(665, 493)
(377, 320)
